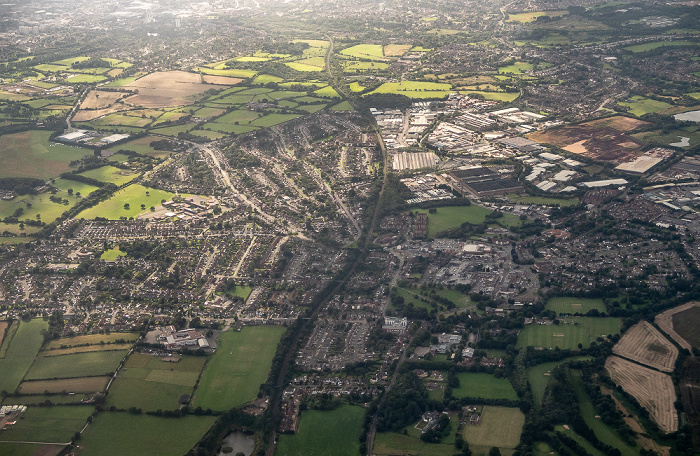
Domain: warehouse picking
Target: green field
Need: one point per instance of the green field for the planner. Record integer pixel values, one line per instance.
(517, 67)
(78, 187)
(505, 97)
(273, 119)
(20, 353)
(453, 216)
(355, 66)
(356, 87)
(389, 443)
(122, 434)
(569, 333)
(134, 195)
(602, 431)
(640, 105)
(76, 365)
(538, 376)
(543, 200)
(91, 339)
(48, 424)
(365, 51)
(593, 451)
(112, 254)
(342, 106)
(415, 89)
(148, 383)
(40, 204)
(323, 433)
(30, 154)
(110, 174)
(234, 374)
(174, 131)
(500, 427)
(245, 74)
(532, 16)
(657, 44)
(142, 146)
(567, 305)
(485, 386)
(672, 137)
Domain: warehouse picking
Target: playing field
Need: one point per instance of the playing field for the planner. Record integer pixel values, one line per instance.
(453, 216)
(485, 386)
(48, 424)
(77, 365)
(500, 427)
(149, 383)
(241, 363)
(29, 154)
(123, 434)
(323, 433)
(111, 174)
(135, 196)
(567, 305)
(639, 105)
(20, 353)
(569, 333)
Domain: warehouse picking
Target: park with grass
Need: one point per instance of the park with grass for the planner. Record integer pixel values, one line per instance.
(569, 333)
(320, 433)
(570, 306)
(445, 218)
(240, 365)
(128, 202)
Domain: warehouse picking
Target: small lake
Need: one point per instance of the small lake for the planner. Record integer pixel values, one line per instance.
(692, 116)
(684, 142)
(240, 442)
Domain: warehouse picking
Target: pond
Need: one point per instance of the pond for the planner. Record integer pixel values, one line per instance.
(692, 116)
(240, 442)
(684, 142)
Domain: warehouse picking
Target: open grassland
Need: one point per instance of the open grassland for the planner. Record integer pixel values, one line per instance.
(569, 333)
(48, 424)
(69, 385)
(416, 89)
(644, 344)
(149, 383)
(539, 376)
(112, 254)
(533, 15)
(589, 415)
(359, 66)
(653, 390)
(122, 434)
(667, 321)
(335, 432)
(485, 386)
(566, 305)
(672, 137)
(40, 204)
(389, 443)
(453, 216)
(110, 174)
(240, 365)
(77, 187)
(505, 97)
(20, 354)
(85, 349)
(365, 51)
(342, 106)
(639, 105)
(29, 449)
(500, 427)
(143, 146)
(91, 339)
(134, 195)
(658, 44)
(77, 365)
(30, 154)
(543, 201)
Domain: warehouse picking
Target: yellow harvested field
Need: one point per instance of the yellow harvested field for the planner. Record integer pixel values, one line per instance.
(88, 115)
(169, 88)
(69, 385)
(90, 339)
(644, 344)
(98, 99)
(396, 50)
(220, 80)
(653, 390)
(665, 322)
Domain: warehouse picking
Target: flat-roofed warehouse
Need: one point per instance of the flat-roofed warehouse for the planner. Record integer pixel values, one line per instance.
(416, 160)
(485, 181)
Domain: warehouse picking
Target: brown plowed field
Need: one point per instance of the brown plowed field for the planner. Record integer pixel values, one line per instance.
(644, 344)
(665, 321)
(653, 390)
(220, 80)
(164, 89)
(98, 99)
(603, 139)
(70, 385)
